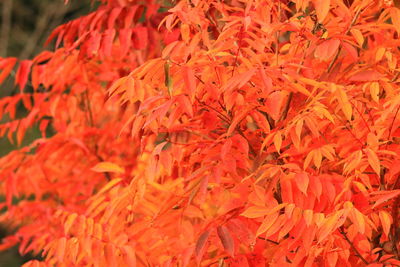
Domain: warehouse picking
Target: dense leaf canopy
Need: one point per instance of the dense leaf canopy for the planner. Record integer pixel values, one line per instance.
(229, 133)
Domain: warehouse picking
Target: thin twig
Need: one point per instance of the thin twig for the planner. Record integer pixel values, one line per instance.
(290, 97)
(269, 240)
(353, 247)
(40, 27)
(238, 50)
(340, 48)
(391, 125)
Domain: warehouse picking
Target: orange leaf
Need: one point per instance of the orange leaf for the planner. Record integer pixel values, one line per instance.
(110, 185)
(61, 249)
(129, 256)
(255, 212)
(267, 223)
(107, 167)
(366, 76)
(68, 223)
(344, 102)
(273, 104)
(302, 181)
(237, 119)
(278, 141)
(110, 255)
(308, 216)
(373, 161)
(189, 80)
(322, 9)
(327, 49)
(358, 36)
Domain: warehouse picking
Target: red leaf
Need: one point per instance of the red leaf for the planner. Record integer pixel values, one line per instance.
(129, 16)
(140, 37)
(6, 65)
(21, 77)
(226, 240)
(125, 40)
(190, 80)
(107, 41)
(366, 76)
(113, 16)
(385, 196)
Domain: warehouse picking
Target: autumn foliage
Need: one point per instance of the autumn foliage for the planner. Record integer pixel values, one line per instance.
(209, 133)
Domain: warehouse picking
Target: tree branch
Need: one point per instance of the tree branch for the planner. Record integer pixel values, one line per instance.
(5, 27)
(353, 247)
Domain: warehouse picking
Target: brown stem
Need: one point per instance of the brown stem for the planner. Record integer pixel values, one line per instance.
(353, 247)
(269, 240)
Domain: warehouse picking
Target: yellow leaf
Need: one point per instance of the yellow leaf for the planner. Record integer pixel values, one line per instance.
(68, 223)
(344, 103)
(379, 53)
(374, 91)
(322, 111)
(301, 89)
(278, 141)
(386, 221)
(107, 167)
(289, 210)
(109, 185)
(358, 36)
(373, 161)
(358, 219)
(327, 152)
(318, 219)
(328, 226)
(308, 159)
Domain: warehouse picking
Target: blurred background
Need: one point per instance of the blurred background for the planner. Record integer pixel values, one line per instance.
(24, 28)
